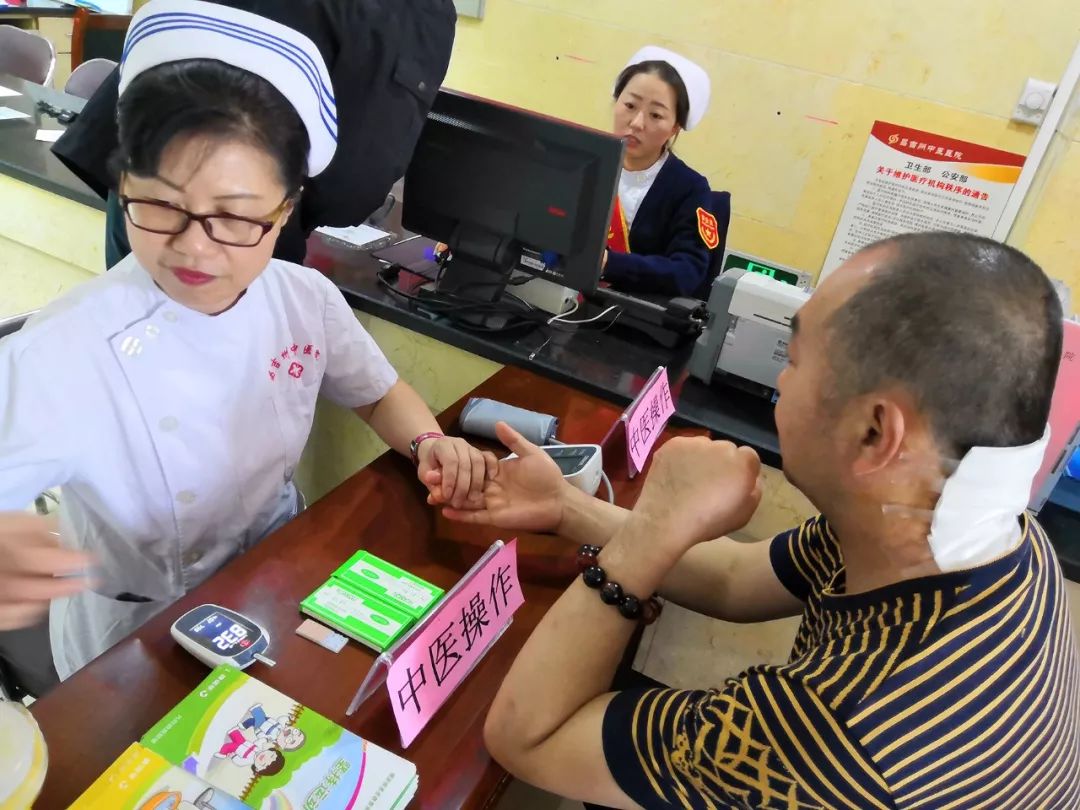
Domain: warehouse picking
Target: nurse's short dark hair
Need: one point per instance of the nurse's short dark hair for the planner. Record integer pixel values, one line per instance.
(205, 97)
(666, 73)
(970, 327)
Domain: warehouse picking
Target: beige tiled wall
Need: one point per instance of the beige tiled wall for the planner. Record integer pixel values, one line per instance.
(48, 244)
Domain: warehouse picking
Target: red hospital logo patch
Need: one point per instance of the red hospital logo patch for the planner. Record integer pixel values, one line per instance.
(708, 229)
(295, 368)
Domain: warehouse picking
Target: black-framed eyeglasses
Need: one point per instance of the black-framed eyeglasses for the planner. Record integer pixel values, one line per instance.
(158, 216)
(61, 115)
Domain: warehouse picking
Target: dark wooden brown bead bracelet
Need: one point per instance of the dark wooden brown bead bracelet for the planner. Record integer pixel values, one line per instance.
(611, 593)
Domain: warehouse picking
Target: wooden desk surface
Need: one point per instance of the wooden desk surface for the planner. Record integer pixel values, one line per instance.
(90, 719)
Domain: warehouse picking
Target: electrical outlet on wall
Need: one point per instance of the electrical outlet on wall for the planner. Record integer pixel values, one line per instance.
(1034, 102)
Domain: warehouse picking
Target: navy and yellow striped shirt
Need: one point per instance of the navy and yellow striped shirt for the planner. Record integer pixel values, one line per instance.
(959, 690)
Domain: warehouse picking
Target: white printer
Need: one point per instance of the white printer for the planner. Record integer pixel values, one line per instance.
(748, 329)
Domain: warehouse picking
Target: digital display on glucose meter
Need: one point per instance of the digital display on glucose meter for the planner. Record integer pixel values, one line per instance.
(224, 635)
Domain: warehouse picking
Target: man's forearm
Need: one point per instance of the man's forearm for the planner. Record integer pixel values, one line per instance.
(724, 579)
(582, 640)
(589, 520)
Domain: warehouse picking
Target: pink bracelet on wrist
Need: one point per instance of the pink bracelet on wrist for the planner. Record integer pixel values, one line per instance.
(414, 445)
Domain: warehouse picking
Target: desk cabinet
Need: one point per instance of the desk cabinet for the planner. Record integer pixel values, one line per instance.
(58, 31)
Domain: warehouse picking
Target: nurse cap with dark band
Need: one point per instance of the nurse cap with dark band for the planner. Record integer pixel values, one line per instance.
(694, 77)
(173, 30)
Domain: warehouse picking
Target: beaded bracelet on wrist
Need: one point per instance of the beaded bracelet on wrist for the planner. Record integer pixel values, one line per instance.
(646, 611)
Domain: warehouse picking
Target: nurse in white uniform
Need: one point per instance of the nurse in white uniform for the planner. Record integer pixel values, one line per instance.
(171, 398)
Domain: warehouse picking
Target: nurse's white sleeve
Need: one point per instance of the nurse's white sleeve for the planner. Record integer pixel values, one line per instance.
(357, 372)
(35, 450)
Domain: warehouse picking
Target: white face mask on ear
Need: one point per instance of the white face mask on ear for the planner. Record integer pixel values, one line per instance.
(975, 520)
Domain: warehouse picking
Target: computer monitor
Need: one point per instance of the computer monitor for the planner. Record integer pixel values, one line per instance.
(508, 189)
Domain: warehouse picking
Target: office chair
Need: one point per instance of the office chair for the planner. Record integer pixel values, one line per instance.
(13, 323)
(88, 76)
(26, 54)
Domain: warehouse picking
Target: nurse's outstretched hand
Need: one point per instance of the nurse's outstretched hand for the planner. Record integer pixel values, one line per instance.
(453, 470)
(527, 493)
(35, 568)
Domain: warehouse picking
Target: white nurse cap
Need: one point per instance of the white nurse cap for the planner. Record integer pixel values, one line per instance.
(172, 30)
(698, 86)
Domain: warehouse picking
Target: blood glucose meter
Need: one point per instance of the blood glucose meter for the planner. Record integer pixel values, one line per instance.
(217, 635)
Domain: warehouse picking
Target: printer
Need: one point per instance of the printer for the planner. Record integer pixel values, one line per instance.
(747, 330)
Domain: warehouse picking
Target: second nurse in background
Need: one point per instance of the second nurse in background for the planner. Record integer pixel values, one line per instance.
(663, 231)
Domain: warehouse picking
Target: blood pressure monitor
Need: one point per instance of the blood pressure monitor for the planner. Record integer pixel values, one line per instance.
(581, 464)
(217, 635)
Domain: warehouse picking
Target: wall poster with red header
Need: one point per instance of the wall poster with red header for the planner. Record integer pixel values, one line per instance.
(910, 181)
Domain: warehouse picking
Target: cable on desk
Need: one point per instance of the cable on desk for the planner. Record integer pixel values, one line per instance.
(446, 305)
(522, 316)
(610, 490)
(559, 319)
(560, 316)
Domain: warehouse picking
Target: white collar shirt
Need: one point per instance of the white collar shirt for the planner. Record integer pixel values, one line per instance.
(634, 187)
(173, 434)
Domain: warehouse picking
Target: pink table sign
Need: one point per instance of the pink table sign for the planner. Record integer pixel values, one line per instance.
(1064, 419)
(647, 417)
(452, 640)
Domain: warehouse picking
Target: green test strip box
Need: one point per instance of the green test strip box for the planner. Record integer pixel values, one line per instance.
(366, 573)
(358, 615)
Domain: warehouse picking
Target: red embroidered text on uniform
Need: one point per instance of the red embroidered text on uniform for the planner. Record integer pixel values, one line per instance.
(296, 369)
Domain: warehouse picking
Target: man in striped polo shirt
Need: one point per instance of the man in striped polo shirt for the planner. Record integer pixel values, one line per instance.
(935, 666)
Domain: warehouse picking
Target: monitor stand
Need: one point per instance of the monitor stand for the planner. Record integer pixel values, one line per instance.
(470, 284)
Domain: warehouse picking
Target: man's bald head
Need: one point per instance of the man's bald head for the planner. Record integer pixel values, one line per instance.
(969, 327)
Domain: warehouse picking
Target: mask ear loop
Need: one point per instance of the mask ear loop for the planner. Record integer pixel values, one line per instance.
(974, 506)
(934, 471)
(934, 481)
